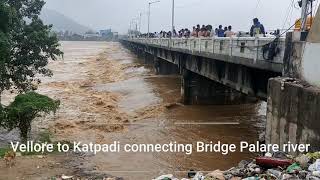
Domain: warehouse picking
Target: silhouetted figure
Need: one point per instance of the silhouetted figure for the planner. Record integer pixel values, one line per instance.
(257, 28)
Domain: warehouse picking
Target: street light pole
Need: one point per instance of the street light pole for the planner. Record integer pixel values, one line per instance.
(149, 20)
(136, 26)
(173, 8)
(149, 16)
(140, 15)
(130, 29)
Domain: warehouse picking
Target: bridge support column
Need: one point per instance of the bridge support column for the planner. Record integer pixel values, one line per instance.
(149, 59)
(293, 110)
(140, 53)
(293, 113)
(163, 67)
(197, 89)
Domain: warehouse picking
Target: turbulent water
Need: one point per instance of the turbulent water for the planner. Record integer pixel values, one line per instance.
(108, 95)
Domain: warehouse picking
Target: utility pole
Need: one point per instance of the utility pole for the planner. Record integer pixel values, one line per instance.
(134, 26)
(140, 16)
(173, 8)
(304, 14)
(313, 36)
(149, 16)
(149, 20)
(130, 30)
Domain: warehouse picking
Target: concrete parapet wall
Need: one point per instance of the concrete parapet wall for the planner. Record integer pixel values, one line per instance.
(293, 113)
(240, 50)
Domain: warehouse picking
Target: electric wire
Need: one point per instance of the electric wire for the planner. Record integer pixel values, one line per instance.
(288, 12)
(256, 7)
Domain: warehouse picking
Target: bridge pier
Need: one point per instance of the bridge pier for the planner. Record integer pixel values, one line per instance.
(213, 69)
(293, 113)
(293, 110)
(164, 67)
(196, 89)
(149, 59)
(232, 66)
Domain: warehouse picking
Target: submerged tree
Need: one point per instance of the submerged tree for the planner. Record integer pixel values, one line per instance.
(25, 108)
(28, 45)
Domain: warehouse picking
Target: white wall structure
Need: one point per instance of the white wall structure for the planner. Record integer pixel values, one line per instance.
(311, 63)
(311, 56)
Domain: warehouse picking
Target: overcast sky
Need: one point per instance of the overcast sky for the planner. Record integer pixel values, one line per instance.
(117, 14)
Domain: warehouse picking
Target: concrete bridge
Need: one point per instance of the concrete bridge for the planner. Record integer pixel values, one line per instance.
(215, 68)
(225, 70)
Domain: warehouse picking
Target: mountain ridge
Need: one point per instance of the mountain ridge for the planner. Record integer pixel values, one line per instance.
(61, 22)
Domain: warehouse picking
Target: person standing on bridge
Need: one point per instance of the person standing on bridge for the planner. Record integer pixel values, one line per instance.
(257, 28)
(194, 32)
(229, 32)
(220, 31)
(174, 33)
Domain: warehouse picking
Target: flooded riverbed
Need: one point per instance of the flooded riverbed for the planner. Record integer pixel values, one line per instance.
(108, 95)
(174, 125)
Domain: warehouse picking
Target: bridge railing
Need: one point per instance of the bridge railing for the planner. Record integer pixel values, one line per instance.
(245, 47)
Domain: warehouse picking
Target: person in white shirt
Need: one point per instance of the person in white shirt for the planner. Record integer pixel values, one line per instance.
(229, 32)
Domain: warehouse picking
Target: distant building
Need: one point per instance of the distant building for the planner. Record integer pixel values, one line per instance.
(102, 35)
(91, 34)
(106, 32)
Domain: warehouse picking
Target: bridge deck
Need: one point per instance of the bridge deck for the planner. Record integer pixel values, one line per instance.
(246, 51)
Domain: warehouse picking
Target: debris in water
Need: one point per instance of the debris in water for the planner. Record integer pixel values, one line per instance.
(66, 177)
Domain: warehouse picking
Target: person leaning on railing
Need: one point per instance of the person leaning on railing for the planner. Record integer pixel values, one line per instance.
(229, 32)
(220, 32)
(194, 32)
(257, 28)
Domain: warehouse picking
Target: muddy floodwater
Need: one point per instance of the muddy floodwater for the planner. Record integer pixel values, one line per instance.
(107, 95)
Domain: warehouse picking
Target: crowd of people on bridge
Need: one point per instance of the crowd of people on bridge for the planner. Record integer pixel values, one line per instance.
(208, 31)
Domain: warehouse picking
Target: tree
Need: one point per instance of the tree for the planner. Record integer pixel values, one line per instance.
(2, 116)
(26, 45)
(31, 44)
(25, 108)
(5, 22)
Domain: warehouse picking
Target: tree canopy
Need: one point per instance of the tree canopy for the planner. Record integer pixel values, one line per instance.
(26, 45)
(5, 22)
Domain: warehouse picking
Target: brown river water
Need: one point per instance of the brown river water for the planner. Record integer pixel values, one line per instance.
(107, 95)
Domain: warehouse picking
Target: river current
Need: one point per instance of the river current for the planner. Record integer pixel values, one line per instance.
(108, 95)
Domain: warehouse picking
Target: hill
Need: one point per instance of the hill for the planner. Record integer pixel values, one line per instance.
(61, 22)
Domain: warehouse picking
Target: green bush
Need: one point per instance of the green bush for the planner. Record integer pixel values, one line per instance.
(25, 108)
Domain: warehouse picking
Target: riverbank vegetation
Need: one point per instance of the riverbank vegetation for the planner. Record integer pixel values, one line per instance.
(42, 137)
(26, 45)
